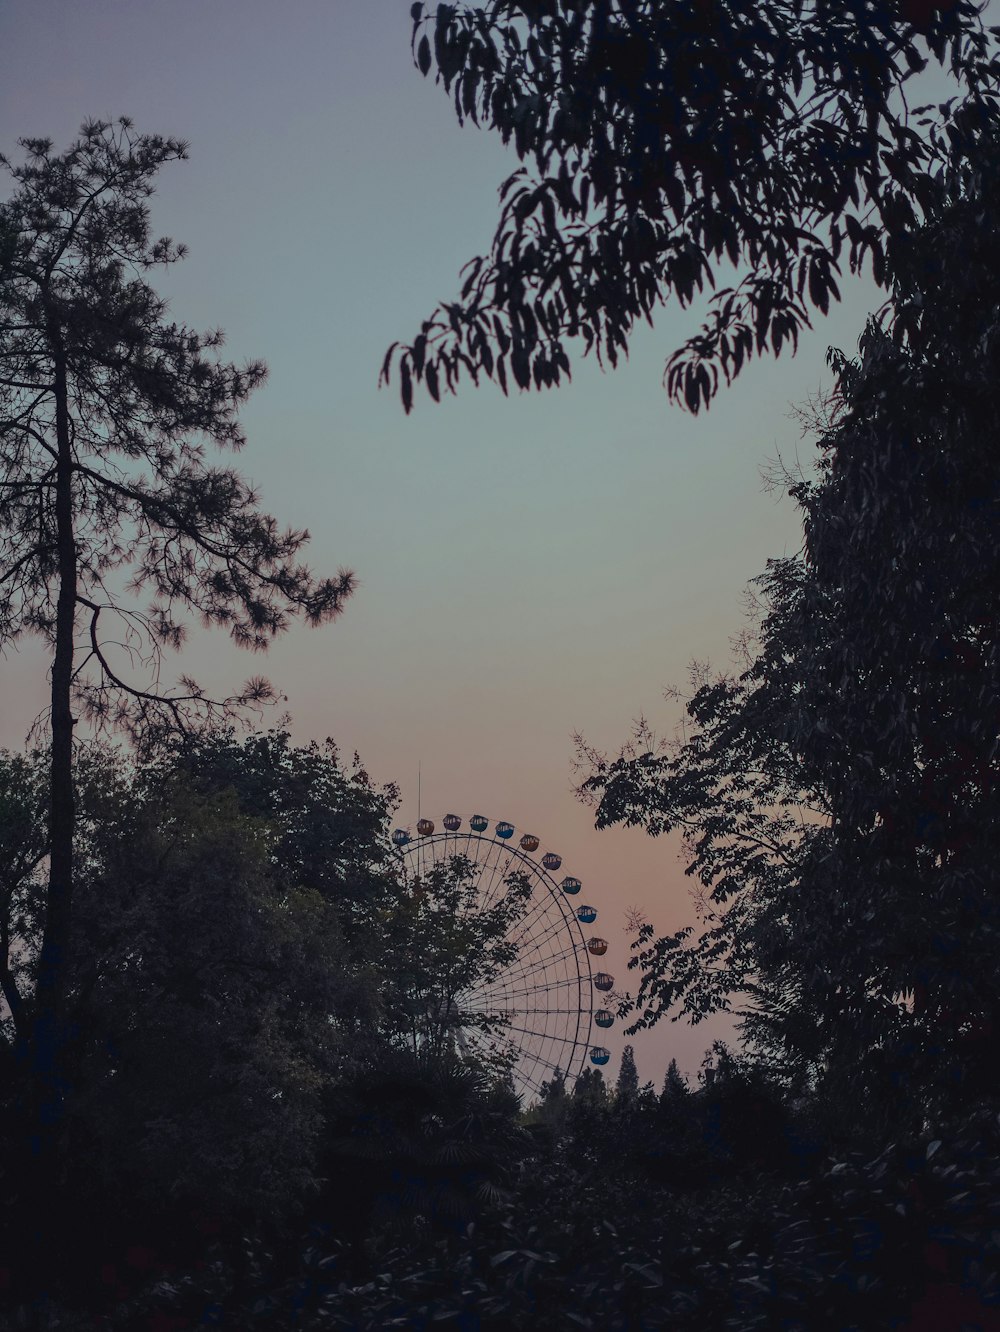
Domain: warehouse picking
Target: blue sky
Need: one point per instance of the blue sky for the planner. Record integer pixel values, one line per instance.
(529, 567)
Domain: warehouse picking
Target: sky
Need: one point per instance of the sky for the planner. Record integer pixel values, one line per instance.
(529, 567)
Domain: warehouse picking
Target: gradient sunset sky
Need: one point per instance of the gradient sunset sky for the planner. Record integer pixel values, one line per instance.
(529, 567)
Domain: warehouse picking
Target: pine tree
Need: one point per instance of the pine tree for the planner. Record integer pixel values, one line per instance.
(106, 497)
(674, 1084)
(627, 1086)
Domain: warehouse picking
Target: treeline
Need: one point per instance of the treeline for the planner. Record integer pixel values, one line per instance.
(253, 1013)
(430, 1198)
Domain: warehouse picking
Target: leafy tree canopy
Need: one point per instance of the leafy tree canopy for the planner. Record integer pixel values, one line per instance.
(839, 796)
(212, 994)
(330, 820)
(667, 146)
(444, 947)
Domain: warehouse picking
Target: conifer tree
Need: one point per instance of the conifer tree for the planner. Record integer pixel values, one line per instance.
(627, 1086)
(114, 526)
(674, 1083)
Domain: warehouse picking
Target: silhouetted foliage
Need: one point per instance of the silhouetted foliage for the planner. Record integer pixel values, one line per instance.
(442, 945)
(213, 995)
(627, 1082)
(384, 1187)
(839, 797)
(267, 1077)
(416, 1134)
(106, 407)
(666, 144)
(329, 819)
(675, 1084)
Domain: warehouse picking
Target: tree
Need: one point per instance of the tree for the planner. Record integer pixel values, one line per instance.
(425, 1134)
(330, 820)
(442, 946)
(675, 1085)
(666, 142)
(23, 846)
(553, 1089)
(227, 986)
(209, 1006)
(211, 981)
(105, 492)
(627, 1085)
(839, 797)
(749, 816)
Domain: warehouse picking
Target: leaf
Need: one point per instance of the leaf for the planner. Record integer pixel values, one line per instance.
(424, 55)
(644, 1269)
(387, 363)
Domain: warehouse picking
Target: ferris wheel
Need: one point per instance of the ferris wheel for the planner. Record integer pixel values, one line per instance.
(541, 1002)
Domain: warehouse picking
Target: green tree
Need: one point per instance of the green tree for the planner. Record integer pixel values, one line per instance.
(751, 820)
(330, 821)
(23, 847)
(664, 144)
(839, 797)
(210, 1005)
(425, 1134)
(106, 496)
(553, 1089)
(225, 997)
(675, 1085)
(627, 1084)
(443, 947)
(209, 980)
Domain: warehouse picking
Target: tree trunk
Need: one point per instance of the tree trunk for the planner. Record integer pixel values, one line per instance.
(49, 1036)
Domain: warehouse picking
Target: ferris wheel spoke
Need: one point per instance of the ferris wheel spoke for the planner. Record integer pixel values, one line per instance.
(497, 870)
(528, 945)
(539, 899)
(517, 1010)
(515, 862)
(549, 903)
(541, 966)
(523, 978)
(532, 899)
(542, 1028)
(530, 1084)
(568, 984)
(548, 1066)
(543, 1035)
(510, 1000)
(541, 938)
(541, 903)
(536, 1038)
(537, 942)
(534, 941)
